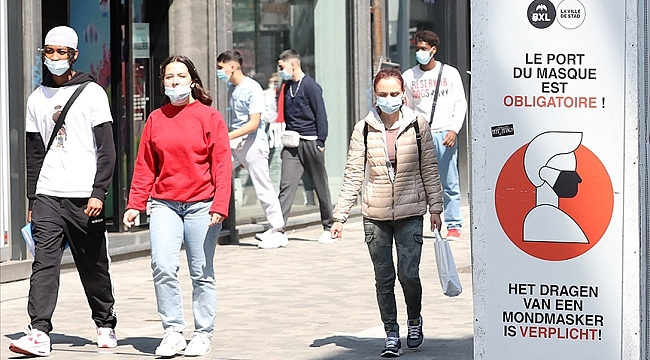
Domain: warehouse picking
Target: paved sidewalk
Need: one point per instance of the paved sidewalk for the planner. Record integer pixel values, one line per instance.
(306, 301)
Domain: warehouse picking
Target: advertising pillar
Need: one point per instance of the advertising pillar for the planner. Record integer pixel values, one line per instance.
(552, 145)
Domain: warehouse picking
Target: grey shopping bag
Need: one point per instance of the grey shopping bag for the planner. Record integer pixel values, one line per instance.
(446, 267)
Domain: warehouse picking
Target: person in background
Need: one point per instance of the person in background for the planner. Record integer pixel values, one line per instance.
(66, 188)
(393, 149)
(184, 165)
(249, 143)
(445, 121)
(306, 126)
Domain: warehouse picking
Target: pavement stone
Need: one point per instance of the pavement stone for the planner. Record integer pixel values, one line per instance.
(305, 301)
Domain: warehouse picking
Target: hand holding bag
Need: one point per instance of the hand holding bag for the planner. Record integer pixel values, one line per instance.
(446, 267)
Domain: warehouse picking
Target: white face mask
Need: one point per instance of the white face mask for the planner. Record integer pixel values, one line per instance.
(179, 93)
(285, 74)
(57, 67)
(423, 56)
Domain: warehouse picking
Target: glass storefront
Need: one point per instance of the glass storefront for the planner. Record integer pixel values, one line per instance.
(262, 29)
(5, 219)
(122, 44)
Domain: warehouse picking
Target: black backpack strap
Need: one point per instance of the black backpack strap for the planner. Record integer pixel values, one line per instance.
(418, 139)
(435, 94)
(365, 144)
(64, 112)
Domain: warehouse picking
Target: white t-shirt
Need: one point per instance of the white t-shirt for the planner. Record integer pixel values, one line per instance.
(69, 167)
(245, 99)
(451, 106)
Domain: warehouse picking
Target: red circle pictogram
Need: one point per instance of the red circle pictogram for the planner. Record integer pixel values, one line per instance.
(591, 208)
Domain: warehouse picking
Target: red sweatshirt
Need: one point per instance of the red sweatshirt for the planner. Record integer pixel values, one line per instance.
(184, 156)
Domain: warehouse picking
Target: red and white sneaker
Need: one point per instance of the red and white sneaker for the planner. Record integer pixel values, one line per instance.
(35, 342)
(106, 338)
(453, 234)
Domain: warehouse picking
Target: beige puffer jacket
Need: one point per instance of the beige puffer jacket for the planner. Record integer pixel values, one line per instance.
(413, 187)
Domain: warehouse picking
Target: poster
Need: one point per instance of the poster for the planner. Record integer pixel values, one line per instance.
(550, 272)
(91, 21)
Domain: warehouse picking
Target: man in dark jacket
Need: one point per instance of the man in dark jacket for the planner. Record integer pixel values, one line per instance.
(306, 121)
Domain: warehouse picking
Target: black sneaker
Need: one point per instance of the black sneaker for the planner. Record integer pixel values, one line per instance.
(393, 346)
(415, 337)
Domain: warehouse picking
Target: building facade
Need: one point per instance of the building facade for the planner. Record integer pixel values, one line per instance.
(123, 42)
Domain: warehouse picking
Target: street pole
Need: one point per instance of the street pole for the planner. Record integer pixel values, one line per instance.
(377, 36)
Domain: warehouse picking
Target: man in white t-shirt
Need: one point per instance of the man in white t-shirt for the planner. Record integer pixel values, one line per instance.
(249, 143)
(448, 117)
(66, 188)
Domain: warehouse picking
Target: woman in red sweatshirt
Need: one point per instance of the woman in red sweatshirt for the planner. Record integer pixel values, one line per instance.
(184, 165)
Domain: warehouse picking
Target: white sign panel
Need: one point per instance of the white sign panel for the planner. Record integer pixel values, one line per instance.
(549, 210)
(141, 44)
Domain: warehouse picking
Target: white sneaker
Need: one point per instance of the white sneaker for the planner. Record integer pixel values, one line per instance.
(264, 235)
(106, 338)
(326, 238)
(274, 240)
(199, 345)
(35, 342)
(172, 343)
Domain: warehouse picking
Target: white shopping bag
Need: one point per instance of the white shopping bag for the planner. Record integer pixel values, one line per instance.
(446, 267)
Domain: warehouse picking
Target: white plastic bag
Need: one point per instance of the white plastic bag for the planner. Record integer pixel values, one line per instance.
(446, 267)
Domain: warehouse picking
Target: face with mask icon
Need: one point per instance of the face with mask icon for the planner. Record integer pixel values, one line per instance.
(389, 91)
(178, 83)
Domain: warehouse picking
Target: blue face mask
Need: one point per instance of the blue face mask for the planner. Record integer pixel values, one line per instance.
(389, 104)
(285, 75)
(179, 93)
(57, 67)
(221, 75)
(423, 56)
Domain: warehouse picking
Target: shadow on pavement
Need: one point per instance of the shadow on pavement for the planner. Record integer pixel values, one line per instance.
(361, 348)
(301, 239)
(145, 345)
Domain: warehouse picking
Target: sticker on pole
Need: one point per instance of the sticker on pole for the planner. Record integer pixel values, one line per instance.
(554, 198)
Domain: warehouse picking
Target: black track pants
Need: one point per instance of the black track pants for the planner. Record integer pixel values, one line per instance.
(58, 221)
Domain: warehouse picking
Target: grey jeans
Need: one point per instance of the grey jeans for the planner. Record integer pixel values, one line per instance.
(407, 234)
(295, 161)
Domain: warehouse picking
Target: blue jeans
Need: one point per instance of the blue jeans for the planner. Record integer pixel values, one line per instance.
(172, 224)
(407, 234)
(448, 170)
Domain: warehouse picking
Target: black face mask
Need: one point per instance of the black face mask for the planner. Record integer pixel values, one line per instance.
(566, 185)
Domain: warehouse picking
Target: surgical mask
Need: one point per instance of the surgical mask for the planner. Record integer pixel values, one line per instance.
(57, 67)
(179, 93)
(221, 74)
(423, 56)
(389, 104)
(286, 75)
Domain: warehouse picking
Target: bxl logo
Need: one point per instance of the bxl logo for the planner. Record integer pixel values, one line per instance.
(541, 13)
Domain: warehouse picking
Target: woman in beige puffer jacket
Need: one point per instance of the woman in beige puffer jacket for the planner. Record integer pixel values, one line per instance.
(399, 185)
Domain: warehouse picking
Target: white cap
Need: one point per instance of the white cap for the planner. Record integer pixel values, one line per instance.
(62, 36)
